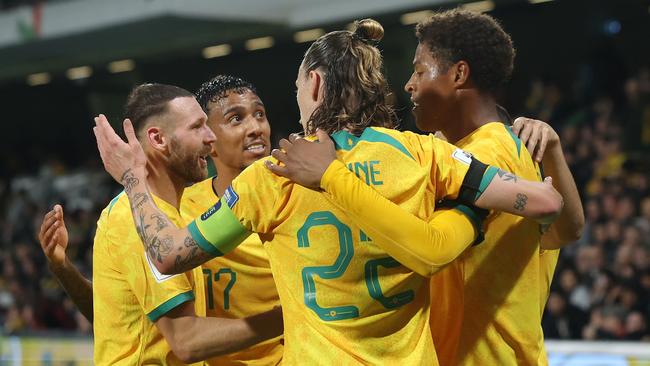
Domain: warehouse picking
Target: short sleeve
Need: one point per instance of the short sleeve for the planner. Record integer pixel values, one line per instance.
(156, 293)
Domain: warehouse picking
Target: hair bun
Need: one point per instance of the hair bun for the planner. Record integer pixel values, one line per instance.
(369, 30)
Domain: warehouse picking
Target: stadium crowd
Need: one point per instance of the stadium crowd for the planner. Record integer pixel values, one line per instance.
(601, 288)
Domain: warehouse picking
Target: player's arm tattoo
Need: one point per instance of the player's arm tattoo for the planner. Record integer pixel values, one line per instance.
(520, 202)
(164, 243)
(192, 258)
(508, 177)
(129, 181)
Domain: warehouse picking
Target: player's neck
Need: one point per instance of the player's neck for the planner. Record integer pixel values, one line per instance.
(164, 184)
(225, 176)
(474, 111)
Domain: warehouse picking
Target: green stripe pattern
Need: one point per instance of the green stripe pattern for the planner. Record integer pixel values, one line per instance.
(485, 181)
(347, 141)
(170, 304)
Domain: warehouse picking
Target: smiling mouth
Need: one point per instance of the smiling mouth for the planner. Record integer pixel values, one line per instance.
(255, 148)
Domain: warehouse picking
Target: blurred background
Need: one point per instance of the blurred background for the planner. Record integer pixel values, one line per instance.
(582, 65)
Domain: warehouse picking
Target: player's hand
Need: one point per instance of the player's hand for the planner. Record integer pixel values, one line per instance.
(119, 156)
(304, 161)
(537, 135)
(53, 237)
(548, 219)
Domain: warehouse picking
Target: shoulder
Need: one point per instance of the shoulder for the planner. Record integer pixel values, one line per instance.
(495, 144)
(258, 173)
(397, 143)
(116, 221)
(118, 210)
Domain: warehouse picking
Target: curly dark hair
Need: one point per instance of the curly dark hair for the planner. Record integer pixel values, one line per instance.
(219, 86)
(355, 91)
(475, 38)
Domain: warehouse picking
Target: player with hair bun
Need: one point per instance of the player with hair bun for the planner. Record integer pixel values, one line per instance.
(344, 299)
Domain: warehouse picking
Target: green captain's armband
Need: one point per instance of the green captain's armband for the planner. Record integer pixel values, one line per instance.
(218, 231)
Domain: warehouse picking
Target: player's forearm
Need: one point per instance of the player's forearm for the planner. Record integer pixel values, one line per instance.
(172, 250)
(423, 247)
(509, 193)
(569, 225)
(204, 338)
(76, 286)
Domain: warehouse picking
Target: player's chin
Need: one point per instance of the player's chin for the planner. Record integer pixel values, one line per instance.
(425, 121)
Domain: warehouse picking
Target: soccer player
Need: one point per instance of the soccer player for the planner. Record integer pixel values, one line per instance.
(344, 300)
(239, 284)
(486, 307)
(140, 315)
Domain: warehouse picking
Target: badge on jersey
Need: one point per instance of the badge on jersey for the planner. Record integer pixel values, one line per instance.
(211, 211)
(230, 196)
(156, 274)
(462, 156)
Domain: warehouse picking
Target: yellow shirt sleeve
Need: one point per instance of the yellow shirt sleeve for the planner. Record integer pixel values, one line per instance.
(450, 165)
(246, 207)
(156, 293)
(422, 246)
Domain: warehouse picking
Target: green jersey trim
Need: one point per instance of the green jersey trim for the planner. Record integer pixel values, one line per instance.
(485, 181)
(170, 304)
(347, 141)
(114, 201)
(515, 139)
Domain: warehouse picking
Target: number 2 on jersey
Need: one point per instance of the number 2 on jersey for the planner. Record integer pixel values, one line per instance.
(346, 252)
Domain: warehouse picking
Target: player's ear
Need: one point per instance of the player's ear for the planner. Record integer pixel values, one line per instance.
(316, 85)
(156, 138)
(460, 72)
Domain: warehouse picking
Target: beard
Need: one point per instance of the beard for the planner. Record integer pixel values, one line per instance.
(185, 163)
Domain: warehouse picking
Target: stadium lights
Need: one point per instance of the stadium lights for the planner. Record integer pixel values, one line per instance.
(40, 78)
(479, 6)
(121, 66)
(415, 17)
(259, 43)
(539, 1)
(308, 35)
(80, 72)
(217, 51)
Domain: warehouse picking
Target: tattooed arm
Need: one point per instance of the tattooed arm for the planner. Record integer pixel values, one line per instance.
(506, 192)
(172, 250)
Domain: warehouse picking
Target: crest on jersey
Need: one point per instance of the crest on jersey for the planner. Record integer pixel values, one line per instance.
(230, 196)
(462, 156)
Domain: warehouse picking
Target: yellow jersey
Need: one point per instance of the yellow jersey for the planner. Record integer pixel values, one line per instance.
(485, 306)
(130, 295)
(238, 284)
(344, 300)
